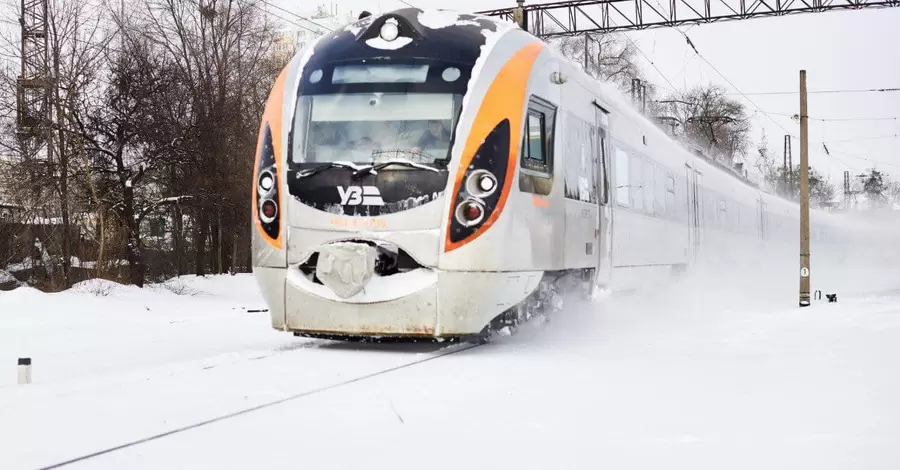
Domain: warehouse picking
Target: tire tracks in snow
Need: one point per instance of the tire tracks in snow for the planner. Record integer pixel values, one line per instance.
(440, 353)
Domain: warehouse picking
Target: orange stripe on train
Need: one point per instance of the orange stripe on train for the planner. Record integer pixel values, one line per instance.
(271, 116)
(505, 99)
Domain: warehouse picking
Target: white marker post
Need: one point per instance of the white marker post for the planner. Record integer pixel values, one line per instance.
(24, 370)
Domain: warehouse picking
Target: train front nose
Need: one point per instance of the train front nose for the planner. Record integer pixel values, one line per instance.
(362, 287)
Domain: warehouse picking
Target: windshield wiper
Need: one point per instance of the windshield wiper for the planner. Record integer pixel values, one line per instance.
(328, 166)
(396, 161)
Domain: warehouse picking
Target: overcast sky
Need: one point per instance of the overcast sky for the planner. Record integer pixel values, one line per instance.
(844, 50)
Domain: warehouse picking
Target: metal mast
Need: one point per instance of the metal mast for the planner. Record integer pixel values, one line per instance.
(33, 118)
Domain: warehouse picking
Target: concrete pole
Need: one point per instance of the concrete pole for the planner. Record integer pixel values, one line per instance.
(519, 15)
(804, 195)
(586, 52)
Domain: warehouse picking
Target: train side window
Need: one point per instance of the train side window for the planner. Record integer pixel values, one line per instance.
(649, 187)
(659, 196)
(537, 147)
(623, 193)
(670, 195)
(537, 141)
(636, 181)
(723, 213)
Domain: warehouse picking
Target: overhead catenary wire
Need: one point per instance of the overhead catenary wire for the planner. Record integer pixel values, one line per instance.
(704, 59)
(673, 87)
(852, 119)
(266, 2)
(264, 10)
(834, 154)
(767, 114)
(816, 92)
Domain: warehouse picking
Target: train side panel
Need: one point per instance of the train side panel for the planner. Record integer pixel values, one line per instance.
(580, 155)
(270, 235)
(647, 197)
(527, 233)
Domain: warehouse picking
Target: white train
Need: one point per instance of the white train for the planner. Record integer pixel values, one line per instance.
(434, 174)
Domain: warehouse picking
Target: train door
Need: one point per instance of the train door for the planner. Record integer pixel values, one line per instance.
(604, 222)
(695, 216)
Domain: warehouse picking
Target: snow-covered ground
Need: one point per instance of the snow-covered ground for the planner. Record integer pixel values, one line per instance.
(688, 376)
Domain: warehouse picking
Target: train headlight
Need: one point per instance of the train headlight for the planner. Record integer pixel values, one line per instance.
(389, 31)
(470, 212)
(481, 184)
(268, 211)
(266, 182)
(486, 183)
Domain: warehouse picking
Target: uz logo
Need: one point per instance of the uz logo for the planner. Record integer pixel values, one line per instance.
(360, 195)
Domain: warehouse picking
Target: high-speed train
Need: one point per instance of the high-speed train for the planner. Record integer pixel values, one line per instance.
(435, 174)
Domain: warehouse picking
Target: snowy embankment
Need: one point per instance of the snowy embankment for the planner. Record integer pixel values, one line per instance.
(99, 327)
(708, 373)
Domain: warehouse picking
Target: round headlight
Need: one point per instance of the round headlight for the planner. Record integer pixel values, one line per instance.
(266, 182)
(389, 31)
(481, 184)
(486, 183)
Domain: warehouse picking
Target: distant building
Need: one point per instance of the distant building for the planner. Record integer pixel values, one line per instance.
(301, 32)
(322, 20)
(284, 48)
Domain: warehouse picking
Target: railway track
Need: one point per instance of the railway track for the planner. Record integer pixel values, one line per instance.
(451, 349)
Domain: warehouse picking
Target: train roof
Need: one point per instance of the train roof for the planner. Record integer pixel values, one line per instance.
(464, 37)
(449, 35)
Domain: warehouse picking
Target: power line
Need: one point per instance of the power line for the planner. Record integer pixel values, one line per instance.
(854, 119)
(690, 43)
(674, 88)
(299, 16)
(254, 5)
(817, 92)
(856, 139)
(876, 162)
(735, 86)
(857, 119)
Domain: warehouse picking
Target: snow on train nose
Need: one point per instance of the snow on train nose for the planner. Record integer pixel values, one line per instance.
(346, 268)
(361, 287)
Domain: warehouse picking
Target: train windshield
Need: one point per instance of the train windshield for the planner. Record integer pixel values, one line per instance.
(374, 127)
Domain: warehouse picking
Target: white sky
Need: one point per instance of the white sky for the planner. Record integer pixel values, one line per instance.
(840, 50)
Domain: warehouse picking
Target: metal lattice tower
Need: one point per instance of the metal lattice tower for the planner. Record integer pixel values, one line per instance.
(34, 83)
(572, 17)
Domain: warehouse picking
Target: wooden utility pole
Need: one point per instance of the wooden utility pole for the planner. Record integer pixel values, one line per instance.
(804, 194)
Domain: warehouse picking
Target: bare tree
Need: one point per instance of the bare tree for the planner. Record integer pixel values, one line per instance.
(218, 51)
(73, 38)
(710, 119)
(609, 57)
